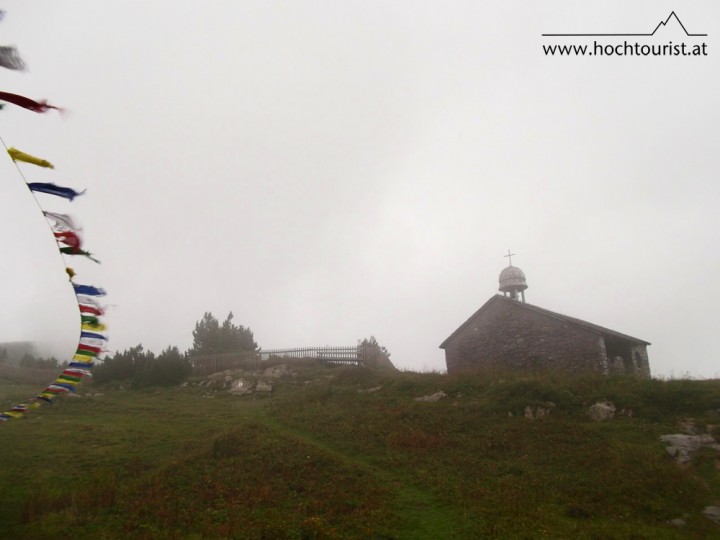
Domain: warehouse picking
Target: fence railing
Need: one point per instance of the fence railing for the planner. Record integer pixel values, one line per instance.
(208, 364)
(335, 355)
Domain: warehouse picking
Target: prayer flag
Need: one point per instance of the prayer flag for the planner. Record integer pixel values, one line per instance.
(69, 238)
(69, 378)
(10, 58)
(90, 348)
(91, 309)
(27, 103)
(62, 222)
(89, 300)
(92, 335)
(82, 359)
(66, 386)
(75, 251)
(52, 189)
(88, 289)
(17, 155)
(80, 365)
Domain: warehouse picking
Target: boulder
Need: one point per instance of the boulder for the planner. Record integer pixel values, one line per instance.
(432, 397)
(682, 447)
(281, 370)
(712, 512)
(687, 426)
(602, 410)
(532, 413)
(240, 387)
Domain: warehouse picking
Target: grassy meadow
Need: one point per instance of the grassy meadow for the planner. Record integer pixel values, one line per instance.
(337, 453)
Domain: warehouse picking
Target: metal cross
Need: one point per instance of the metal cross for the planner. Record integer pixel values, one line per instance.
(509, 256)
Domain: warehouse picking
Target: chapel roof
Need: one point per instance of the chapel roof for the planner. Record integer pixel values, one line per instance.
(546, 312)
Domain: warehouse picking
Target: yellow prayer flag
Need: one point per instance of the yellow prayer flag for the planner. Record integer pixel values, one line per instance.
(94, 327)
(17, 155)
(66, 381)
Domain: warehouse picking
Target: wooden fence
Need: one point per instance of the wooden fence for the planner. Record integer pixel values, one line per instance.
(332, 355)
(208, 364)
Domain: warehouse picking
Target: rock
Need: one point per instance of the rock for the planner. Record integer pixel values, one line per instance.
(682, 447)
(263, 386)
(369, 390)
(602, 410)
(678, 522)
(687, 426)
(432, 397)
(538, 412)
(240, 387)
(280, 370)
(712, 512)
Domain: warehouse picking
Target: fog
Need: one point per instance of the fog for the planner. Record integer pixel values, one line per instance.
(329, 171)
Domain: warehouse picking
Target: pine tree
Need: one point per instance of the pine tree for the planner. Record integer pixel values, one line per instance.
(209, 337)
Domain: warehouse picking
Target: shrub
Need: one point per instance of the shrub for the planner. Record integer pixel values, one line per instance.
(122, 366)
(169, 368)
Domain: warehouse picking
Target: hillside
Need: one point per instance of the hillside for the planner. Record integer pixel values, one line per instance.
(351, 453)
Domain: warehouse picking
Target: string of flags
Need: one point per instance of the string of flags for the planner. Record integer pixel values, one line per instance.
(68, 235)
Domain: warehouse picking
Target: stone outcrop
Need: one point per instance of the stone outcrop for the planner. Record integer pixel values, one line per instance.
(240, 383)
(431, 398)
(533, 413)
(683, 447)
(602, 410)
(712, 512)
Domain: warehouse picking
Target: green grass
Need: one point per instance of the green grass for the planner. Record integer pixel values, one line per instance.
(324, 458)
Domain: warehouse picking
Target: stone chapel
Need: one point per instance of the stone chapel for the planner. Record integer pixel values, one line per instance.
(507, 333)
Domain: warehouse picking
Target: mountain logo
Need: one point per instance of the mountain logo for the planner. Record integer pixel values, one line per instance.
(672, 18)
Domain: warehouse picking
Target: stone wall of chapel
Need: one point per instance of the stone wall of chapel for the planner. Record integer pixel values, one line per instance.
(508, 336)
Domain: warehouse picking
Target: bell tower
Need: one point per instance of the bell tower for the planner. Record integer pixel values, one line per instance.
(512, 280)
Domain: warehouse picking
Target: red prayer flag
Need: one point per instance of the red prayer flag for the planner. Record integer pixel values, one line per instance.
(27, 103)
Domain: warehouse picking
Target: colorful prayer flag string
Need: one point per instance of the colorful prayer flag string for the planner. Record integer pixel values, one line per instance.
(65, 231)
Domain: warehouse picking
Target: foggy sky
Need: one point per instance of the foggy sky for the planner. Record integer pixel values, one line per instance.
(334, 170)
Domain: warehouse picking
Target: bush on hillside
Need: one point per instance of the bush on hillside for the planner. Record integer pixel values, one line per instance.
(123, 366)
(29, 361)
(142, 368)
(169, 368)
